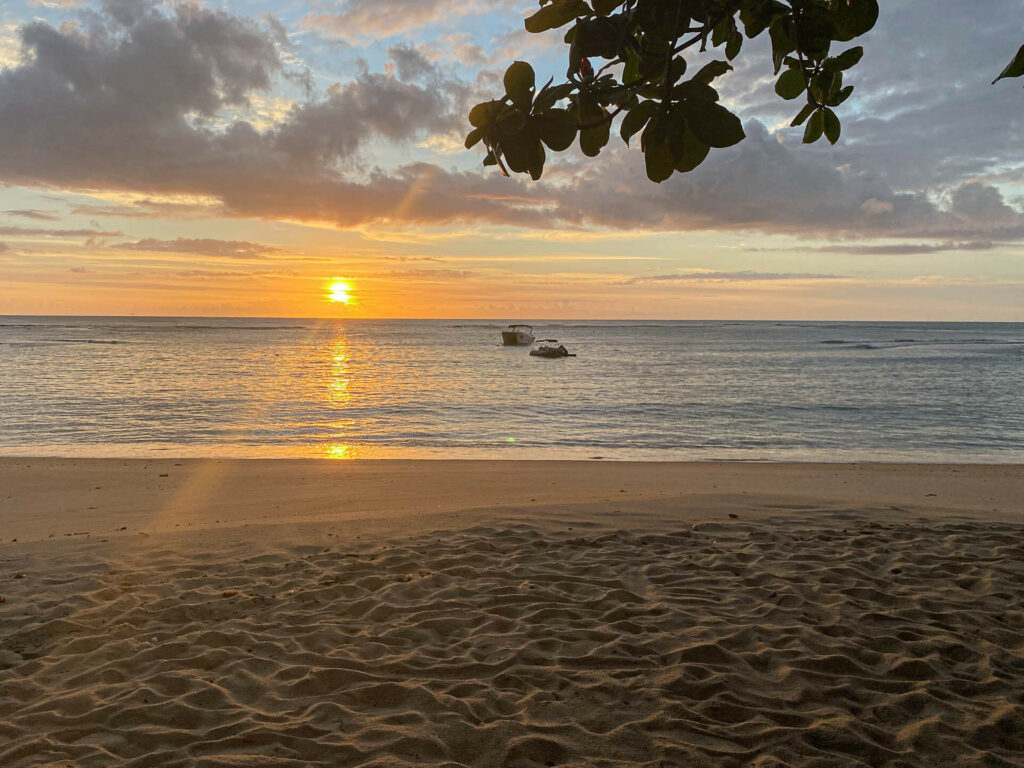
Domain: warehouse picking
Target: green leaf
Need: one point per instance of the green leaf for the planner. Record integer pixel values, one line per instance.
(837, 83)
(711, 70)
(821, 85)
(677, 70)
(547, 97)
(473, 137)
(732, 48)
(814, 29)
(803, 114)
(597, 37)
(690, 153)
(758, 16)
(832, 126)
(814, 128)
(543, 93)
(519, 84)
(694, 89)
(1015, 68)
(627, 99)
(631, 71)
(555, 15)
(524, 153)
(589, 110)
(517, 153)
(790, 84)
(490, 159)
(849, 58)
(657, 153)
(511, 121)
(537, 168)
(483, 114)
(604, 7)
(782, 43)
(713, 124)
(721, 31)
(575, 59)
(637, 118)
(651, 91)
(840, 96)
(592, 140)
(853, 18)
(556, 128)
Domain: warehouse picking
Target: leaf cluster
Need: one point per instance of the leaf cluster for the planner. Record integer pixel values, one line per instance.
(515, 129)
(1015, 68)
(645, 49)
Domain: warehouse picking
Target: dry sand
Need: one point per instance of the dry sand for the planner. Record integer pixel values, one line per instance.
(295, 613)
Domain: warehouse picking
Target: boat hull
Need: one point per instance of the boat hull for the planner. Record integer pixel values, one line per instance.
(550, 352)
(515, 338)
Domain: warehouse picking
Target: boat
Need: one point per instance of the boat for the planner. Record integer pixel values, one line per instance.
(550, 348)
(517, 335)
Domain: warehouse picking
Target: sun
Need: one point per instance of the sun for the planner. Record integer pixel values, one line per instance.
(339, 292)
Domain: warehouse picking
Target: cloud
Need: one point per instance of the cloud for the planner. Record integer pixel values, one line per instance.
(235, 249)
(37, 232)
(923, 113)
(151, 209)
(710, 276)
(904, 249)
(983, 203)
(35, 214)
(109, 104)
(374, 105)
(137, 99)
(4, 247)
(426, 274)
(128, 103)
(359, 21)
(769, 186)
(458, 48)
(65, 4)
(412, 258)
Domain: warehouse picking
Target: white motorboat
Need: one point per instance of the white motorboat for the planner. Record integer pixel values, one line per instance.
(517, 335)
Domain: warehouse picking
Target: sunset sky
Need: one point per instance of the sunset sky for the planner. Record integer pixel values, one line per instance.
(240, 157)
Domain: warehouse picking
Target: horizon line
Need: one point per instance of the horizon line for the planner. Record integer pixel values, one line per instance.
(503, 320)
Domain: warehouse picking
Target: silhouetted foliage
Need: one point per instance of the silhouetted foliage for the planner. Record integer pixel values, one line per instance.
(1015, 68)
(643, 76)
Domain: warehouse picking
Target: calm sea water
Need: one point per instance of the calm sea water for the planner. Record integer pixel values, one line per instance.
(77, 386)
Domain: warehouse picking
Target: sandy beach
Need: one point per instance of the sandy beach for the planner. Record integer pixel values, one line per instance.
(470, 613)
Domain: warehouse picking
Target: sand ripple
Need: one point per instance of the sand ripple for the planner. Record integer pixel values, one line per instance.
(721, 644)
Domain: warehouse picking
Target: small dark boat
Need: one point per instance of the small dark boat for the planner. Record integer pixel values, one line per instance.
(550, 348)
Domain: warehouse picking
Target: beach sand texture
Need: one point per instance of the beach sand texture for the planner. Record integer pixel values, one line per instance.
(671, 628)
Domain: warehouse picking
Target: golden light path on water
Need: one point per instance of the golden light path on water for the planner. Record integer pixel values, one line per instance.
(339, 395)
(188, 503)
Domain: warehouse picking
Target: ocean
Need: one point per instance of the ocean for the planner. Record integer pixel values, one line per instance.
(745, 391)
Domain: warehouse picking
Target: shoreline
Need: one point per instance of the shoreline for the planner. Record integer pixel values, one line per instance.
(46, 497)
(364, 452)
(439, 456)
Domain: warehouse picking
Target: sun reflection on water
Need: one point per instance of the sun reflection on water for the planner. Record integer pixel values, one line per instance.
(341, 451)
(339, 378)
(339, 396)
